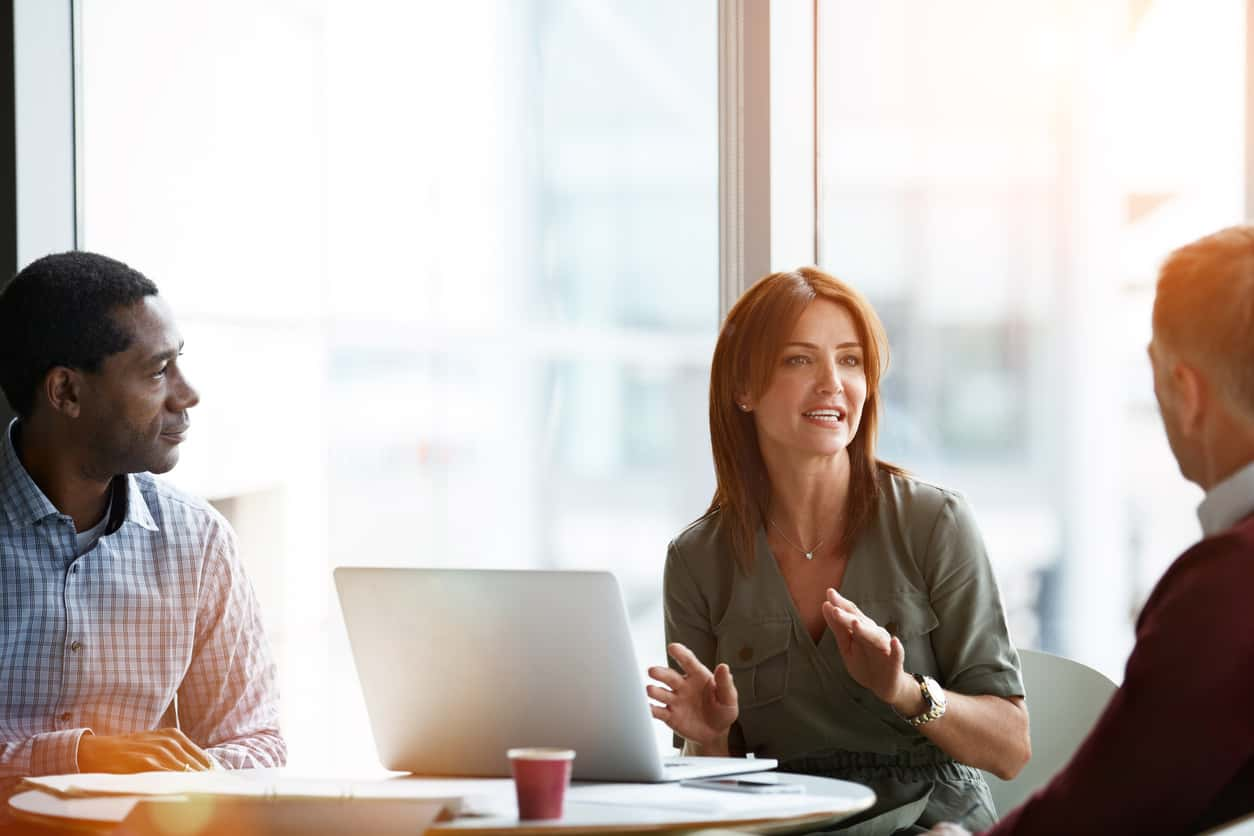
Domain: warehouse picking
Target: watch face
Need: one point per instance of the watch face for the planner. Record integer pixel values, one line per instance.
(935, 691)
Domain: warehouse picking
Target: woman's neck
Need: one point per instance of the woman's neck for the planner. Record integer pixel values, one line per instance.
(808, 497)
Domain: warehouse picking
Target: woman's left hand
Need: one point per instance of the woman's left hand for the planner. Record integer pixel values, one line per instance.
(873, 658)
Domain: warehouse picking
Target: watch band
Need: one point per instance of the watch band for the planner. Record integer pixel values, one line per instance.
(936, 702)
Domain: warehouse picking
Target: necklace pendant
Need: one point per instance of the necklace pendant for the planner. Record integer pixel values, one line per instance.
(809, 555)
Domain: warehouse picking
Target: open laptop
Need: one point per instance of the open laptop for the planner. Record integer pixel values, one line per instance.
(459, 665)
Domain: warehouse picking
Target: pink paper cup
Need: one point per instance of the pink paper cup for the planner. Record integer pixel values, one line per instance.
(540, 779)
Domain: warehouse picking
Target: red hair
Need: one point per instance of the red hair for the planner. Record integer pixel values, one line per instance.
(753, 335)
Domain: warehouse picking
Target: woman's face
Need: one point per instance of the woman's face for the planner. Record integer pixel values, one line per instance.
(813, 404)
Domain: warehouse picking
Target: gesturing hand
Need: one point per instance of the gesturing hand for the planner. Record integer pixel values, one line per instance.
(698, 705)
(163, 749)
(873, 657)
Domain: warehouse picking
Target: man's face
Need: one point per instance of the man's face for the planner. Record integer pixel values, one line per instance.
(135, 407)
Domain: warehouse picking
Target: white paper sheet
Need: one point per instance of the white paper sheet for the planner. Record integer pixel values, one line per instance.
(694, 800)
(239, 783)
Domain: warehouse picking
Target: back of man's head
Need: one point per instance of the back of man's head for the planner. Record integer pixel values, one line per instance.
(57, 312)
(1204, 311)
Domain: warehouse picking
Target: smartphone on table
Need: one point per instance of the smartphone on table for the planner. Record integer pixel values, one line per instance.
(757, 783)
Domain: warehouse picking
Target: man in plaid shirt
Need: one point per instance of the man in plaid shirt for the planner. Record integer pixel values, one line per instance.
(130, 638)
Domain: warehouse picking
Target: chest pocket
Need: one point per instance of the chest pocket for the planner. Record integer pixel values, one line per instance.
(909, 617)
(757, 653)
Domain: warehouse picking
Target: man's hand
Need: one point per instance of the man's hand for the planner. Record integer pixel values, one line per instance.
(698, 705)
(151, 751)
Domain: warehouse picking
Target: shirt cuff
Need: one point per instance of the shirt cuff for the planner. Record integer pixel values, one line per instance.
(56, 752)
(997, 683)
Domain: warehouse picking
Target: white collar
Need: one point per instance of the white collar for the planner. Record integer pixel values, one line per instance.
(1227, 502)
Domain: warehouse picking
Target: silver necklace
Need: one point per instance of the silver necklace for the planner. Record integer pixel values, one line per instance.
(809, 553)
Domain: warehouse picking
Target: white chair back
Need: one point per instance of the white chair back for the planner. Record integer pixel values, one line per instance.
(1065, 698)
(1243, 826)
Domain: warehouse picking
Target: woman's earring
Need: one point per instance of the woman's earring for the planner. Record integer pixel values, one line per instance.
(744, 407)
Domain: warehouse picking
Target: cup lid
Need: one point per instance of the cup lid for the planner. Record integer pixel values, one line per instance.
(541, 754)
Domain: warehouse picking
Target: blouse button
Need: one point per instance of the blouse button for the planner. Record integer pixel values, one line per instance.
(746, 653)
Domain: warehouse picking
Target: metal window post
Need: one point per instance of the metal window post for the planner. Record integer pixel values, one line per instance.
(766, 114)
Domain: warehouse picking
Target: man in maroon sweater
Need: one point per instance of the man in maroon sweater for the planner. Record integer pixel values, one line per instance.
(1174, 750)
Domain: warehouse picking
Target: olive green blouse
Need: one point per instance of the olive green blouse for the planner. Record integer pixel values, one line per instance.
(919, 569)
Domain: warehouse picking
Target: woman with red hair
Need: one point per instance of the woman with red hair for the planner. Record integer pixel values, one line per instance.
(829, 609)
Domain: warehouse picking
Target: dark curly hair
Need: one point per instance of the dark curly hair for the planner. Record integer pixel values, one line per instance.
(57, 312)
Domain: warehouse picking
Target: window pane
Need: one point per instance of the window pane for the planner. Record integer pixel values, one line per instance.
(448, 282)
(1002, 179)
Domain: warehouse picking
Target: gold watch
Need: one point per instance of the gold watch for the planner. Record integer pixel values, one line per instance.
(933, 697)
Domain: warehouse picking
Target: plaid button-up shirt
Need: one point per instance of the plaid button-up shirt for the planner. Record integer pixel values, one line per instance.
(159, 609)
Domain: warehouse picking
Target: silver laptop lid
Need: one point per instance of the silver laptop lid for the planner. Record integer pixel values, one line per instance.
(457, 666)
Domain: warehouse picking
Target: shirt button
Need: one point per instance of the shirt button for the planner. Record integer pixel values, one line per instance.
(76, 646)
(65, 718)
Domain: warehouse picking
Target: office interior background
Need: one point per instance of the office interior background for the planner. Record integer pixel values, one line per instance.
(450, 274)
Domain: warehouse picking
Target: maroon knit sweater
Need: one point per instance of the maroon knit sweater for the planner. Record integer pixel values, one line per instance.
(1174, 750)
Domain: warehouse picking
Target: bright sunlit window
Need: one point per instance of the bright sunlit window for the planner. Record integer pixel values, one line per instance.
(1003, 179)
(448, 275)
(448, 278)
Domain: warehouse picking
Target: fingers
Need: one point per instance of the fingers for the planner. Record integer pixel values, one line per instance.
(837, 618)
(834, 621)
(870, 633)
(687, 660)
(195, 757)
(146, 763)
(661, 713)
(844, 617)
(173, 757)
(898, 654)
(151, 757)
(669, 677)
(864, 628)
(663, 695)
(170, 750)
(162, 750)
(842, 603)
(838, 623)
(854, 632)
(725, 686)
(175, 751)
(844, 627)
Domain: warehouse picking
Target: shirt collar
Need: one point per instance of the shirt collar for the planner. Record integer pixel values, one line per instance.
(1228, 502)
(25, 504)
(136, 510)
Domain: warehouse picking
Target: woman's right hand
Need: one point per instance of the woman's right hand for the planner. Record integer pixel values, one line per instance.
(698, 705)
